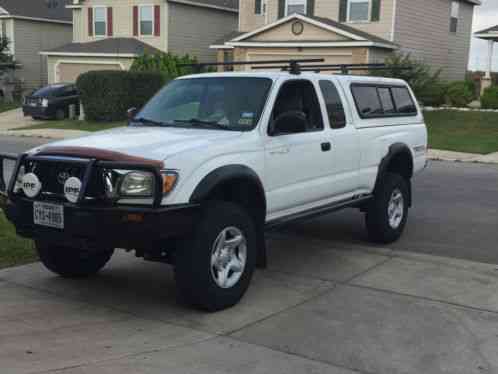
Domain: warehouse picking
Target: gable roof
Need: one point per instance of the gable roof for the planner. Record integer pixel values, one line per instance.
(124, 47)
(48, 10)
(356, 36)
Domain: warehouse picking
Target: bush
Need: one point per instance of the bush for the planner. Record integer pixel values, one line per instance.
(165, 63)
(417, 73)
(489, 99)
(107, 95)
(459, 94)
(433, 95)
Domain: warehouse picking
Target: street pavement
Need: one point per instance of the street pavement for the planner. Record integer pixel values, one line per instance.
(329, 302)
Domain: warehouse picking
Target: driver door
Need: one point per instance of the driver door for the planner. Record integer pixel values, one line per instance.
(297, 160)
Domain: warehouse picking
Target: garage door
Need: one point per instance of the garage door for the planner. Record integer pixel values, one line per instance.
(346, 58)
(70, 72)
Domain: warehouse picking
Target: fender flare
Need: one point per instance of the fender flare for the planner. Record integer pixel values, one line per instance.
(227, 173)
(395, 150)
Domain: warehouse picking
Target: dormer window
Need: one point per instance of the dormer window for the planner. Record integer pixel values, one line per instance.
(295, 6)
(146, 20)
(358, 10)
(100, 21)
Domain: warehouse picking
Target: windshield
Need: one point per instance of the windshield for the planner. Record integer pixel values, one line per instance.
(231, 103)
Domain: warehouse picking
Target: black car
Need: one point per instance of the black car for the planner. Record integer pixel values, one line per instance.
(52, 102)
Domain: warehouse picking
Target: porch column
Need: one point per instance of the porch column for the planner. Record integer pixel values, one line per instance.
(491, 44)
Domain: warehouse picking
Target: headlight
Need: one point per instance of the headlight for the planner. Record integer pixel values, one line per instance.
(44, 103)
(137, 184)
(141, 184)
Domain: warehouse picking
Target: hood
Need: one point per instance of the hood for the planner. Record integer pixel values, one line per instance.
(153, 143)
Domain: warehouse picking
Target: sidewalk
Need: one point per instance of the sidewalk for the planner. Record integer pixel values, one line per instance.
(321, 307)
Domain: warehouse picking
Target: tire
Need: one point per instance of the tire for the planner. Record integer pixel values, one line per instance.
(60, 114)
(70, 262)
(381, 226)
(200, 262)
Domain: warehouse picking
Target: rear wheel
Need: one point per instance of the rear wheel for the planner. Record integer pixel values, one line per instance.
(70, 262)
(387, 213)
(214, 269)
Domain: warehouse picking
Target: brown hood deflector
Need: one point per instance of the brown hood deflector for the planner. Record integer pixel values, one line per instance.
(98, 154)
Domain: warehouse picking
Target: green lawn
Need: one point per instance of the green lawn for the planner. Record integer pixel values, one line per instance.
(473, 132)
(4, 107)
(74, 125)
(13, 249)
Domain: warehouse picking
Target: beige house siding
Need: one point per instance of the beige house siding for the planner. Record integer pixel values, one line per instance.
(378, 55)
(193, 29)
(423, 29)
(283, 32)
(30, 39)
(60, 67)
(123, 21)
(323, 8)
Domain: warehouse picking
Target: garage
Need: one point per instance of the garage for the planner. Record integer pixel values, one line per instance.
(69, 72)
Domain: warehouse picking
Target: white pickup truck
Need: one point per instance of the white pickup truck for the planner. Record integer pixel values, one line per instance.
(209, 163)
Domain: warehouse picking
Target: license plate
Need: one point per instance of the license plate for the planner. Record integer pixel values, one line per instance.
(49, 215)
(32, 104)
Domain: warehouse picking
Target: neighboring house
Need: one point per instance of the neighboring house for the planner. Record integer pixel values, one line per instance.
(33, 26)
(353, 31)
(109, 34)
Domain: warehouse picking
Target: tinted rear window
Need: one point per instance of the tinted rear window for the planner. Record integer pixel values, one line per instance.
(335, 109)
(374, 101)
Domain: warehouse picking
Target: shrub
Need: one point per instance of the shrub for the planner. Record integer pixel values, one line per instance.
(417, 73)
(433, 95)
(489, 99)
(459, 94)
(107, 95)
(165, 63)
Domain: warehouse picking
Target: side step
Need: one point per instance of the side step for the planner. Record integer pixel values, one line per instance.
(318, 211)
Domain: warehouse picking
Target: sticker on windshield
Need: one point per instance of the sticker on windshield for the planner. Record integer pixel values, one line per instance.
(246, 118)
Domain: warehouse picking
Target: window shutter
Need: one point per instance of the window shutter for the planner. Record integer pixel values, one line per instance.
(110, 27)
(311, 8)
(343, 10)
(281, 8)
(375, 10)
(257, 6)
(135, 21)
(90, 21)
(157, 20)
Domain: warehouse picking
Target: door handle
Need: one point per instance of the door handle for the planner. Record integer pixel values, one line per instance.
(280, 151)
(326, 146)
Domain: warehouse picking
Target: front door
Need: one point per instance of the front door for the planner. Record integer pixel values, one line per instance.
(298, 157)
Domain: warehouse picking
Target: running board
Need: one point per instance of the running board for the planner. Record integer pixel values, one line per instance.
(315, 212)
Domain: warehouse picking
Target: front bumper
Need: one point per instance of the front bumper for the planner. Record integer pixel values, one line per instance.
(36, 111)
(107, 227)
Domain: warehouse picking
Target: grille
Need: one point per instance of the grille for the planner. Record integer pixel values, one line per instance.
(53, 175)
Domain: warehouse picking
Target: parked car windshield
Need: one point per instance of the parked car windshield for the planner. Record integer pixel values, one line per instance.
(226, 103)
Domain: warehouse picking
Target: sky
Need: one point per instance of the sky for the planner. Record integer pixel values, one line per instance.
(485, 16)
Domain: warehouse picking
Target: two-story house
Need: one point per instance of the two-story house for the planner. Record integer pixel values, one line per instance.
(109, 34)
(353, 31)
(32, 26)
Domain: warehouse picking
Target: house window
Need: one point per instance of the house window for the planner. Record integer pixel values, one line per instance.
(295, 6)
(455, 12)
(358, 10)
(100, 22)
(146, 20)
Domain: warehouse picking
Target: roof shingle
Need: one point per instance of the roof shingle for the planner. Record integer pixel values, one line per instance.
(116, 46)
(46, 9)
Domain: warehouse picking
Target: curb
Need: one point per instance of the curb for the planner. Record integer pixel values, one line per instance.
(441, 155)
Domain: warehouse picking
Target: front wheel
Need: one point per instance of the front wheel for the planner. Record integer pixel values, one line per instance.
(72, 263)
(387, 213)
(213, 269)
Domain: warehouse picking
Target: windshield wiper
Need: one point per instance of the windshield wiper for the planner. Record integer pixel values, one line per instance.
(201, 123)
(150, 122)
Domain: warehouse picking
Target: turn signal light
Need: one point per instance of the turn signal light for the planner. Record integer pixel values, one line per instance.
(169, 181)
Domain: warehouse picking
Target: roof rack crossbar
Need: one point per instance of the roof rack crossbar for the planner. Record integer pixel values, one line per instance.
(292, 65)
(343, 68)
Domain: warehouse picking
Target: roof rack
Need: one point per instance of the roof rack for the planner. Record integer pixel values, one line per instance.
(343, 68)
(293, 66)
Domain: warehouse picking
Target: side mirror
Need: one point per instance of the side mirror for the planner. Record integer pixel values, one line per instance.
(291, 122)
(131, 113)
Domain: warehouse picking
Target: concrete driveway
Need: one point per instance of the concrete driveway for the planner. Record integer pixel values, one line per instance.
(321, 307)
(14, 119)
